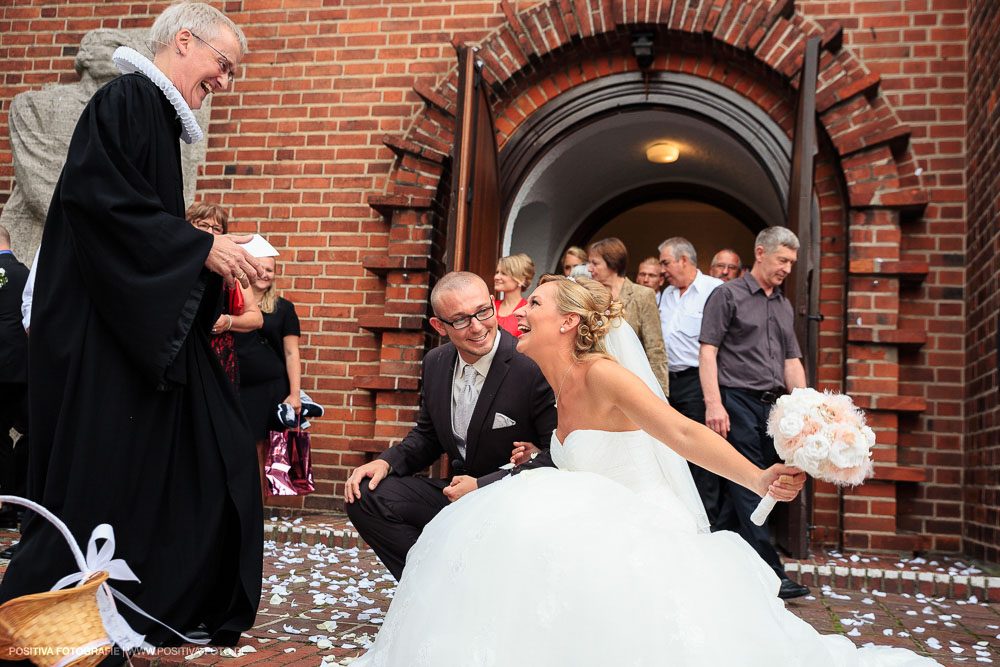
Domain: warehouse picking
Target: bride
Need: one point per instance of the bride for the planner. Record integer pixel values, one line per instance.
(607, 560)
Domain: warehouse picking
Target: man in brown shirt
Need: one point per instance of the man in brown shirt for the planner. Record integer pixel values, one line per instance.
(748, 357)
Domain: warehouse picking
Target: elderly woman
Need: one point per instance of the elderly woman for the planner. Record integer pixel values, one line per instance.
(514, 275)
(214, 219)
(608, 260)
(142, 430)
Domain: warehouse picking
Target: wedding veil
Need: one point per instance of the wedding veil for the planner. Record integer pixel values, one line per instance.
(624, 345)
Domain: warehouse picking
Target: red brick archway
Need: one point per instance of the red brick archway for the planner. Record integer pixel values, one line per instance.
(866, 184)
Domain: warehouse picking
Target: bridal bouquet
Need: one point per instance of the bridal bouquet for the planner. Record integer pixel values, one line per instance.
(822, 434)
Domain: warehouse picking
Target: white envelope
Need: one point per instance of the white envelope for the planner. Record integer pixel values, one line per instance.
(259, 247)
(500, 420)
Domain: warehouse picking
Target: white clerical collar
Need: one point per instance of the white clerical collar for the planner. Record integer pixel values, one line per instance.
(129, 60)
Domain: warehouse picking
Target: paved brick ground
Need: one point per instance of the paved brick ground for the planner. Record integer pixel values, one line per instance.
(325, 595)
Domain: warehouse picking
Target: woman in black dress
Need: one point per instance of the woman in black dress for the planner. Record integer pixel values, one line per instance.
(270, 370)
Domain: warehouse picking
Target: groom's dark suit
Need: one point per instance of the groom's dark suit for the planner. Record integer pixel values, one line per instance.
(391, 517)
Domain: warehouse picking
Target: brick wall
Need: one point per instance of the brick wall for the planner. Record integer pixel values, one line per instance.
(982, 446)
(298, 147)
(294, 151)
(918, 48)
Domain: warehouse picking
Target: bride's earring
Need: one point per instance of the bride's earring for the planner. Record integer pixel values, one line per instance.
(562, 329)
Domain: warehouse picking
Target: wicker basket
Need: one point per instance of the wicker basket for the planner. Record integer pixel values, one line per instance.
(58, 627)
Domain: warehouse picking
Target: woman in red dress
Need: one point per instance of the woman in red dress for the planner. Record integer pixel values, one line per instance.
(513, 276)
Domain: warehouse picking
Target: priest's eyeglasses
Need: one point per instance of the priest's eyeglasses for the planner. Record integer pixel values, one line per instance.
(464, 321)
(224, 64)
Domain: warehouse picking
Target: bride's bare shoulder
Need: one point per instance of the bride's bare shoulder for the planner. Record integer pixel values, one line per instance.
(612, 379)
(602, 369)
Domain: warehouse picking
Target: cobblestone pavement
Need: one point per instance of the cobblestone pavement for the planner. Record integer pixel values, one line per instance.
(325, 595)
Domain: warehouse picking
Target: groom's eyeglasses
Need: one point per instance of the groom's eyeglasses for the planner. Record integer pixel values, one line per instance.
(464, 321)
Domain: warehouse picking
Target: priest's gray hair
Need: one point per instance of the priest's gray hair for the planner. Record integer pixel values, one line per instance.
(774, 237)
(679, 247)
(199, 17)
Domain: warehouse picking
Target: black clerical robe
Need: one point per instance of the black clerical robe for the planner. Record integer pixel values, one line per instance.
(134, 423)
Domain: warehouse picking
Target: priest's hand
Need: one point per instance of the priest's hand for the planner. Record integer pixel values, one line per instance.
(231, 261)
(460, 486)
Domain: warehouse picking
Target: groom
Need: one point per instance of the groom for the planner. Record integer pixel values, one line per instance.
(480, 398)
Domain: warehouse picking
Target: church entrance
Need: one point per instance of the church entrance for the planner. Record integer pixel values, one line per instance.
(575, 112)
(595, 165)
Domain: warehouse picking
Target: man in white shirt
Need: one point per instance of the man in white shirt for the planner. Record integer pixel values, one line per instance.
(681, 306)
(28, 294)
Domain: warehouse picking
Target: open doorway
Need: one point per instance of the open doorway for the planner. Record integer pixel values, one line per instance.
(708, 228)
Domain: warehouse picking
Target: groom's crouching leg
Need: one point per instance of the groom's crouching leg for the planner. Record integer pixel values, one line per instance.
(391, 517)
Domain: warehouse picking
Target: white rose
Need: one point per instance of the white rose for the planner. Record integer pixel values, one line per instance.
(814, 451)
(790, 425)
(843, 455)
(807, 398)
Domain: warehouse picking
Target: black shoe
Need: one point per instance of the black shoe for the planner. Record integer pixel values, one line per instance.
(9, 552)
(199, 633)
(789, 589)
(310, 408)
(287, 416)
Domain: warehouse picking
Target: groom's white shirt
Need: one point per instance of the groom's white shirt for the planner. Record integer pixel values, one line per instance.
(482, 366)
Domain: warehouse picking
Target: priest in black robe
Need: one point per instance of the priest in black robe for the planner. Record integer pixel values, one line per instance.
(134, 422)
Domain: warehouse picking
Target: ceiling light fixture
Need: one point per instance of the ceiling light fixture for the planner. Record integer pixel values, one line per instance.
(663, 152)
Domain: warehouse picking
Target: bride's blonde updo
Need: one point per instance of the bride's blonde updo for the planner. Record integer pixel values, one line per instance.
(593, 303)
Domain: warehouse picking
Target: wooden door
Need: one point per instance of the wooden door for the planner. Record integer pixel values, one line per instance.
(792, 522)
(473, 236)
(474, 214)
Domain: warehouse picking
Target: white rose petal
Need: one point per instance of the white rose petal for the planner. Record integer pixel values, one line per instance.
(790, 425)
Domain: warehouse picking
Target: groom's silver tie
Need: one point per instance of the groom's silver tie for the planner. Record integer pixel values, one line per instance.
(466, 403)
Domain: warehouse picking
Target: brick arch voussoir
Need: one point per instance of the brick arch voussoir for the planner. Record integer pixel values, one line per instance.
(861, 126)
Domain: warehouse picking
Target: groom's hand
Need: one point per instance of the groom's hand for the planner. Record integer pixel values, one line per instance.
(523, 452)
(376, 469)
(460, 486)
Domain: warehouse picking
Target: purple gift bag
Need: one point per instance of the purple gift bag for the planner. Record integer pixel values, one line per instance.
(287, 467)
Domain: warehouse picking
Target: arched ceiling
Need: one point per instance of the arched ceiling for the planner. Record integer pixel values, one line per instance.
(605, 159)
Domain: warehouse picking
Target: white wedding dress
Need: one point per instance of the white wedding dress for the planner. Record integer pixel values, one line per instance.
(604, 561)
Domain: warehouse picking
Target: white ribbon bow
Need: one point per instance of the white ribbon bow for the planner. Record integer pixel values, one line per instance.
(100, 560)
